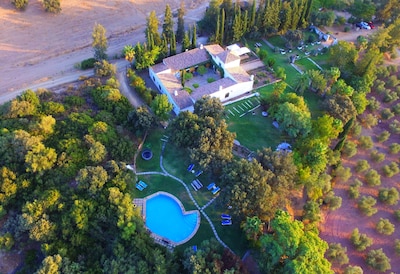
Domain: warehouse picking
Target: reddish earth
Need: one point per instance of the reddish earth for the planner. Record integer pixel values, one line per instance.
(338, 225)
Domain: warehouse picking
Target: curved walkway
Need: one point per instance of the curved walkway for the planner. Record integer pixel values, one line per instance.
(201, 209)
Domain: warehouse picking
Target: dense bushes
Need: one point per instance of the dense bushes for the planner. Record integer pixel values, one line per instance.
(139, 85)
(88, 63)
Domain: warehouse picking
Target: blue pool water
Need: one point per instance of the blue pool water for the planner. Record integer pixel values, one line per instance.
(165, 218)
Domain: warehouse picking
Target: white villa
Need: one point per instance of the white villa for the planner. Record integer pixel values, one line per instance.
(236, 81)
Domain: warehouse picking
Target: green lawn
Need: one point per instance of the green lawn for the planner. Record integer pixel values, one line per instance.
(305, 65)
(253, 131)
(153, 142)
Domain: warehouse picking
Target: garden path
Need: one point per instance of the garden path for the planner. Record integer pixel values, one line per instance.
(201, 209)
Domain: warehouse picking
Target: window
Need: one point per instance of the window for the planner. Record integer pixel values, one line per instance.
(227, 95)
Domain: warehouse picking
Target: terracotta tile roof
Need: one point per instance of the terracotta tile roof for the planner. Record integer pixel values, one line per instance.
(214, 49)
(227, 57)
(186, 59)
(172, 84)
(239, 74)
(212, 88)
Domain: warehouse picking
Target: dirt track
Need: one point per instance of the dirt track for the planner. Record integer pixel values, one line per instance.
(37, 47)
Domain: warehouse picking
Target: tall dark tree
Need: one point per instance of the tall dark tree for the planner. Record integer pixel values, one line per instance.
(152, 34)
(168, 25)
(194, 37)
(180, 31)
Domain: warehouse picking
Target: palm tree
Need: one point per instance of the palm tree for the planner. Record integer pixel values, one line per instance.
(302, 83)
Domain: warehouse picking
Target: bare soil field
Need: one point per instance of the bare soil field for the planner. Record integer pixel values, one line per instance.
(36, 46)
(338, 225)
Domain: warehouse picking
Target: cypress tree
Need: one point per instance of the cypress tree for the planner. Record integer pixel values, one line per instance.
(194, 36)
(222, 35)
(173, 45)
(186, 41)
(180, 32)
(168, 26)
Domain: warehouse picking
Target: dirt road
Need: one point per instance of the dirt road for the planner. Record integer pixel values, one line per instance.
(38, 49)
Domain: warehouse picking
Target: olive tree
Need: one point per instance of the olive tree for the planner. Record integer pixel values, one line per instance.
(389, 196)
(385, 227)
(53, 6)
(378, 260)
(20, 4)
(359, 240)
(336, 253)
(366, 205)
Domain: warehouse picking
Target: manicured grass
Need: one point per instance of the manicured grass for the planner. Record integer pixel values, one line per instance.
(314, 104)
(232, 235)
(157, 183)
(153, 142)
(305, 65)
(277, 41)
(253, 131)
(322, 60)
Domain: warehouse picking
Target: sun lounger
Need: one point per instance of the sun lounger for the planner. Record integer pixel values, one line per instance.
(194, 186)
(215, 190)
(198, 173)
(226, 217)
(198, 183)
(226, 222)
(139, 187)
(142, 184)
(211, 186)
(190, 167)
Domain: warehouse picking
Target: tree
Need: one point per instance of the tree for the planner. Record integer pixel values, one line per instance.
(351, 269)
(397, 246)
(378, 260)
(209, 106)
(53, 6)
(362, 10)
(141, 119)
(340, 107)
(336, 253)
(92, 179)
(389, 196)
(293, 120)
(152, 36)
(385, 227)
(145, 57)
(20, 4)
(180, 31)
(129, 53)
(40, 158)
(373, 178)
(317, 81)
(104, 69)
(354, 191)
(292, 249)
(99, 43)
(168, 25)
(253, 227)
(186, 41)
(161, 107)
(311, 212)
(247, 190)
(8, 185)
(348, 56)
(360, 241)
(50, 265)
(366, 205)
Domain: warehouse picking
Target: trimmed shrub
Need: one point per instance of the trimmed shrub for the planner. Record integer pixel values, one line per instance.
(332, 202)
(360, 241)
(373, 178)
(353, 269)
(378, 260)
(196, 85)
(349, 149)
(362, 165)
(201, 70)
(396, 109)
(385, 227)
(88, 63)
(377, 157)
(210, 80)
(394, 148)
(336, 253)
(373, 104)
(369, 120)
(366, 205)
(354, 189)
(366, 142)
(389, 196)
(187, 76)
(384, 136)
(391, 169)
(397, 214)
(386, 114)
(395, 127)
(343, 173)
(397, 246)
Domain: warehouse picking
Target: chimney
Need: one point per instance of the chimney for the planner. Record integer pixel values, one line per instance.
(201, 46)
(176, 93)
(220, 87)
(252, 77)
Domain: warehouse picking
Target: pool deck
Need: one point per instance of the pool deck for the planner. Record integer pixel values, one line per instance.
(141, 205)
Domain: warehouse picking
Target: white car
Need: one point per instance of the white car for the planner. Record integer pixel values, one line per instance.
(365, 25)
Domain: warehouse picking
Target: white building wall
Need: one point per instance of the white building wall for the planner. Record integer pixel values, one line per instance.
(233, 91)
(233, 64)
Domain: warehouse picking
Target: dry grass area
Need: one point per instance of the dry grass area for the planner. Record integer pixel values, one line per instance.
(36, 46)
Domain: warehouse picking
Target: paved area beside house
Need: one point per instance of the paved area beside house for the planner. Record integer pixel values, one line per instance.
(201, 209)
(253, 65)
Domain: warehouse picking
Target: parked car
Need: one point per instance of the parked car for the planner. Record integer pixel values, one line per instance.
(371, 24)
(365, 25)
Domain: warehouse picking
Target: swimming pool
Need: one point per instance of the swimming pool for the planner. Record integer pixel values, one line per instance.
(167, 218)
